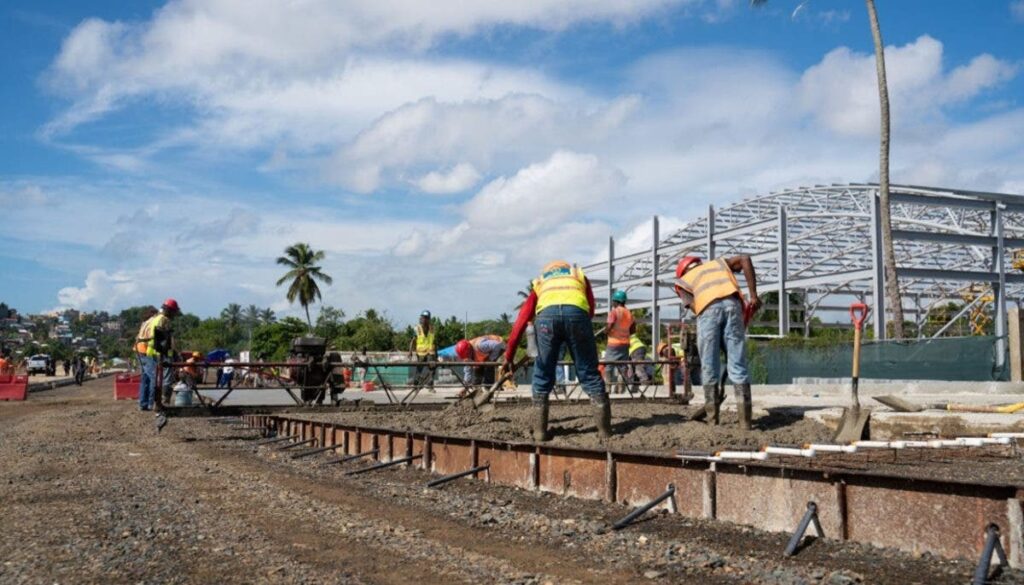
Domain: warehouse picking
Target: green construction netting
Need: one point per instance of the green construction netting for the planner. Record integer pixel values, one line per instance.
(947, 358)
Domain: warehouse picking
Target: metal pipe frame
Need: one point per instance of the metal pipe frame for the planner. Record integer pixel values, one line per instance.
(826, 240)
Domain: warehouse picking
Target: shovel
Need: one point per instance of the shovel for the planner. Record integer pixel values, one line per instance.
(482, 400)
(851, 428)
(900, 405)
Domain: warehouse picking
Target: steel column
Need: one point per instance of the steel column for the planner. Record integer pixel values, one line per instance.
(611, 272)
(655, 313)
(999, 288)
(711, 233)
(783, 270)
(877, 267)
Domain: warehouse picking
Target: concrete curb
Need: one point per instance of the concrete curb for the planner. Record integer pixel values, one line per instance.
(44, 386)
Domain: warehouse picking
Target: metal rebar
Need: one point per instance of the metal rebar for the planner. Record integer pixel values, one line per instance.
(315, 451)
(811, 515)
(992, 544)
(384, 465)
(643, 509)
(347, 458)
(443, 480)
(277, 440)
(296, 444)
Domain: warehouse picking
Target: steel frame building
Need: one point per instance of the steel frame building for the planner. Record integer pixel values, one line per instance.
(825, 241)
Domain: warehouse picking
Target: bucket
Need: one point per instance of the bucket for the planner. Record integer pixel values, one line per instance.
(369, 386)
(182, 395)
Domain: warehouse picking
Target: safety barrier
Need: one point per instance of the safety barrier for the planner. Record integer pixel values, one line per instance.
(13, 387)
(126, 386)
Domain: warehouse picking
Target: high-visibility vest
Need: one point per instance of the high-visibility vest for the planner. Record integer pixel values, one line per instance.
(479, 356)
(424, 341)
(145, 341)
(619, 333)
(708, 283)
(635, 343)
(561, 286)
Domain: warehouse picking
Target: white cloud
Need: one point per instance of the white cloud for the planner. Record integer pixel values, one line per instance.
(1017, 10)
(102, 290)
(841, 91)
(455, 180)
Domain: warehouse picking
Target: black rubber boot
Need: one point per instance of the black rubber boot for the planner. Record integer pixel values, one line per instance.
(744, 408)
(603, 415)
(711, 403)
(540, 419)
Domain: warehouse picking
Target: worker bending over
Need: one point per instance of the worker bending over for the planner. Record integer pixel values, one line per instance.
(711, 291)
(561, 304)
(619, 328)
(426, 351)
(152, 343)
(486, 348)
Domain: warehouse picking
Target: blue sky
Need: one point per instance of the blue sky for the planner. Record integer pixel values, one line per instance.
(441, 153)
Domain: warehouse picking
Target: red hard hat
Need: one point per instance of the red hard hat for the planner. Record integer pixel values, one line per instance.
(171, 305)
(463, 349)
(685, 263)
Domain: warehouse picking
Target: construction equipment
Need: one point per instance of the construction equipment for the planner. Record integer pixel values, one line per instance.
(314, 369)
(899, 405)
(855, 419)
(980, 317)
(482, 400)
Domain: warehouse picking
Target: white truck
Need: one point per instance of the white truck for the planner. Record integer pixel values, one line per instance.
(39, 364)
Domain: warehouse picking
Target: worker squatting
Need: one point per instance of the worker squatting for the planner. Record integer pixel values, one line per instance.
(561, 308)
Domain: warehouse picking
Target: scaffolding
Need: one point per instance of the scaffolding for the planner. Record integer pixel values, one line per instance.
(825, 242)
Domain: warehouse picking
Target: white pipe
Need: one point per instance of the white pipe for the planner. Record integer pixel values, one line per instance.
(745, 455)
(833, 448)
(791, 451)
(1006, 435)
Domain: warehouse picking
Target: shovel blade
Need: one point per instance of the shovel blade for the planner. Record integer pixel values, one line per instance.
(853, 425)
(898, 404)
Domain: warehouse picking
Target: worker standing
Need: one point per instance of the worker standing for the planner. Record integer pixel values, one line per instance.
(561, 302)
(486, 348)
(152, 343)
(426, 351)
(711, 291)
(619, 327)
(639, 373)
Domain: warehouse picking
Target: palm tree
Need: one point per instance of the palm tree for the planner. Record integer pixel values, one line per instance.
(894, 299)
(524, 294)
(267, 315)
(303, 273)
(232, 315)
(252, 316)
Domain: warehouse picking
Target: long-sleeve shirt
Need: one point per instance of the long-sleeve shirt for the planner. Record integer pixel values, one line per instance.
(526, 314)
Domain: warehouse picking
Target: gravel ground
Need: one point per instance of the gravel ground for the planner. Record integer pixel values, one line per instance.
(637, 426)
(91, 494)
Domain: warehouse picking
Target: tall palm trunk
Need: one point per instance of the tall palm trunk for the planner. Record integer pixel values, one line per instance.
(892, 287)
(308, 320)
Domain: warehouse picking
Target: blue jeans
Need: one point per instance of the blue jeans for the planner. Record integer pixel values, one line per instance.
(563, 326)
(720, 324)
(147, 385)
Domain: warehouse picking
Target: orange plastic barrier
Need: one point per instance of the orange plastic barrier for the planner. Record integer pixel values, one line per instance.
(126, 386)
(13, 387)
(369, 386)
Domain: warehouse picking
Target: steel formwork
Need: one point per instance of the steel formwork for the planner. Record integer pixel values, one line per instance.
(825, 241)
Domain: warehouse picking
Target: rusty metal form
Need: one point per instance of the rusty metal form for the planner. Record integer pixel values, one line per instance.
(948, 518)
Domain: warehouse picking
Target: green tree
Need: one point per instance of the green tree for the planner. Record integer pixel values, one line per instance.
(232, 315)
(270, 341)
(329, 324)
(267, 316)
(251, 317)
(894, 299)
(303, 274)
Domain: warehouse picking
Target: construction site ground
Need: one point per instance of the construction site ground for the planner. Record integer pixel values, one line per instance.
(91, 493)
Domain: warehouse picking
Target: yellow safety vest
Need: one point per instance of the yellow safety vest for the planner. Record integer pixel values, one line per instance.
(619, 333)
(146, 339)
(424, 342)
(708, 283)
(635, 343)
(562, 286)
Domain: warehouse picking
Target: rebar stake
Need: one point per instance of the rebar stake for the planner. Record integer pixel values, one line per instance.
(992, 544)
(314, 451)
(811, 515)
(276, 440)
(297, 444)
(391, 463)
(443, 480)
(347, 458)
(632, 516)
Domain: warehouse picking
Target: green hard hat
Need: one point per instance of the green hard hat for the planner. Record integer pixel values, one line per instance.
(619, 296)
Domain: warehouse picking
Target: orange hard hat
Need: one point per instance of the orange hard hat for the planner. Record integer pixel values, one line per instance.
(685, 263)
(463, 349)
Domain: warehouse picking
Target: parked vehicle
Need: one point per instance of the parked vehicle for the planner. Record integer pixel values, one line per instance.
(39, 364)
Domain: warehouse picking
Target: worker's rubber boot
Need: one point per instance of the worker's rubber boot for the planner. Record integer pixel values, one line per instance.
(744, 408)
(540, 419)
(603, 415)
(711, 403)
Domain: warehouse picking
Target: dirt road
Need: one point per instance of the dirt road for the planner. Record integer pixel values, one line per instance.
(89, 493)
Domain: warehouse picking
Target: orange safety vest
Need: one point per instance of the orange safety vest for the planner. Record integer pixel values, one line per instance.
(479, 356)
(619, 333)
(708, 283)
(561, 286)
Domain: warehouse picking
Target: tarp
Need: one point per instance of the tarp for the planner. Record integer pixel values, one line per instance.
(218, 355)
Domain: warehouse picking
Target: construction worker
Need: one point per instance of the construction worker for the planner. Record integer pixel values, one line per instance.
(486, 348)
(711, 291)
(619, 327)
(4, 364)
(152, 343)
(638, 373)
(561, 303)
(426, 351)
